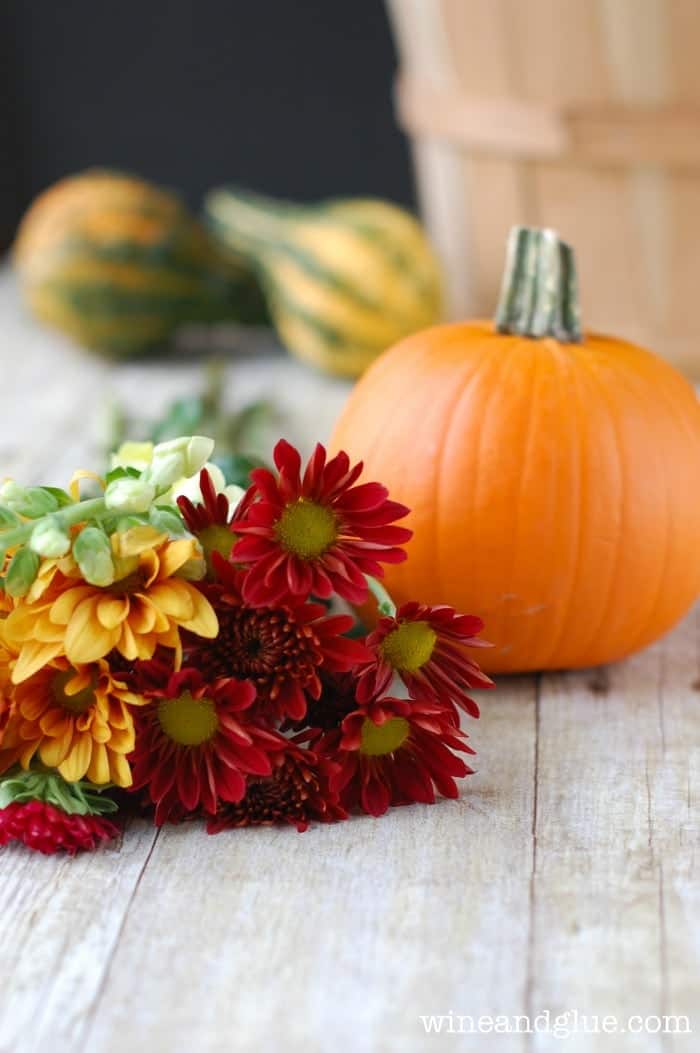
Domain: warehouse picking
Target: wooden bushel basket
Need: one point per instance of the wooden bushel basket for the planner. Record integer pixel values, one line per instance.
(583, 115)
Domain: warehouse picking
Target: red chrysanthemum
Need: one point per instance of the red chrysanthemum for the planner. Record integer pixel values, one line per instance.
(280, 649)
(210, 520)
(426, 647)
(46, 829)
(337, 699)
(194, 745)
(297, 791)
(394, 751)
(315, 534)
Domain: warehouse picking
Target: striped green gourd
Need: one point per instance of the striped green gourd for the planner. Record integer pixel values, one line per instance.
(118, 263)
(344, 279)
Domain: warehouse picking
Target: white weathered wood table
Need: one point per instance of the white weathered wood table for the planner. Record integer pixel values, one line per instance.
(565, 880)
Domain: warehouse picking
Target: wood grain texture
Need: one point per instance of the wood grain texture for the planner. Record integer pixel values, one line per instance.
(565, 879)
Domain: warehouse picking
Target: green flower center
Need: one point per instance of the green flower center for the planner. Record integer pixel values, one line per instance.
(77, 703)
(216, 538)
(188, 721)
(307, 529)
(378, 740)
(409, 646)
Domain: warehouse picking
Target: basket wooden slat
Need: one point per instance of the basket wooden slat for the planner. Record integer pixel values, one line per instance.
(582, 115)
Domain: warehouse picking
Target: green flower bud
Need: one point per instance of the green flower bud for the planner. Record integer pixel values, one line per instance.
(49, 539)
(130, 494)
(8, 518)
(93, 554)
(32, 502)
(22, 572)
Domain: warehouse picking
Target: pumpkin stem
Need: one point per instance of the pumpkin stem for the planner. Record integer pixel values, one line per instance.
(539, 294)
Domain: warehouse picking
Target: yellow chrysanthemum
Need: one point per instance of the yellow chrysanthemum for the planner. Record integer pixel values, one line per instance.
(76, 720)
(149, 602)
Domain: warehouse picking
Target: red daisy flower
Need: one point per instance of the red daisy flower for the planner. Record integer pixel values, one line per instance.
(297, 791)
(425, 646)
(280, 649)
(394, 751)
(315, 534)
(336, 701)
(46, 829)
(193, 743)
(210, 520)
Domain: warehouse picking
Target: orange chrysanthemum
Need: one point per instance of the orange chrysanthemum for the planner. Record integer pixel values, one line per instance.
(76, 720)
(147, 605)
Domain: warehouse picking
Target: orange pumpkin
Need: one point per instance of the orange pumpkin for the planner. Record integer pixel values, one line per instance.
(554, 478)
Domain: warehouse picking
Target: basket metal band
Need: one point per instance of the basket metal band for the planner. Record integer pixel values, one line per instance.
(667, 135)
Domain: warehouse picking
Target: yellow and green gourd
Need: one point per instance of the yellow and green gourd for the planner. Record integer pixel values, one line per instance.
(118, 263)
(344, 279)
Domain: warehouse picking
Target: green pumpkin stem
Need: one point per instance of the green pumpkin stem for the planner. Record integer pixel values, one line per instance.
(539, 294)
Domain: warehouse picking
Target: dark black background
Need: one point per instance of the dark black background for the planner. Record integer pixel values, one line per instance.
(291, 97)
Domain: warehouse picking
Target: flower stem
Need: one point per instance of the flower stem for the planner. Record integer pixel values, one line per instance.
(385, 604)
(93, 508)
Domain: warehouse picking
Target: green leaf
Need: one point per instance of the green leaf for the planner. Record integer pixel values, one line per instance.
(120, 472)
(237, 467)
(183, 417)
(62, 496)
(21, 572)
(44, 784)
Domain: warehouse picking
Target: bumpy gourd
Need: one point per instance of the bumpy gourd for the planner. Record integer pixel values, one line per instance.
(554, 477)
(118, 264)
(344, 279)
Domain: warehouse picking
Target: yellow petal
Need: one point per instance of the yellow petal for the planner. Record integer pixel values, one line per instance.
(98, 769)
(122, 741)
(142, 614)
(136, 540)
(133, 646)
(174, 598)
(175, 555)
(111, 610)
(86, 640)
(119, 770)
(32, 657)
(19, 624)
(77, 762)
(203, 621)
(54, 751)
(62, 608)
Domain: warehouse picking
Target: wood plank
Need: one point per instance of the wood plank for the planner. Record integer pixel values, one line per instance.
(266, 936)
(613, 823)
(60, 920)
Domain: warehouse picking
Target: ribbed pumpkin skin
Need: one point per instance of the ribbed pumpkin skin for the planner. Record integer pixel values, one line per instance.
(555, 488)
(344, 279)
(118, 263)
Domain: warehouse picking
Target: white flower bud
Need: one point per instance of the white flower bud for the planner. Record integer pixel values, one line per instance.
(49, 539)
(129, 494)
(195, 451)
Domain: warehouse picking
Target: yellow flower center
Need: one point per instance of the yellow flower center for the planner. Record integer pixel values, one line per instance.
(409, 646)
(377, 740)
(77, 703)
(307, 529)
(216, 538)
(188, 721)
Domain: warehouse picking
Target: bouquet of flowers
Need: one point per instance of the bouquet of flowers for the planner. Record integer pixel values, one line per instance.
(176, 644)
